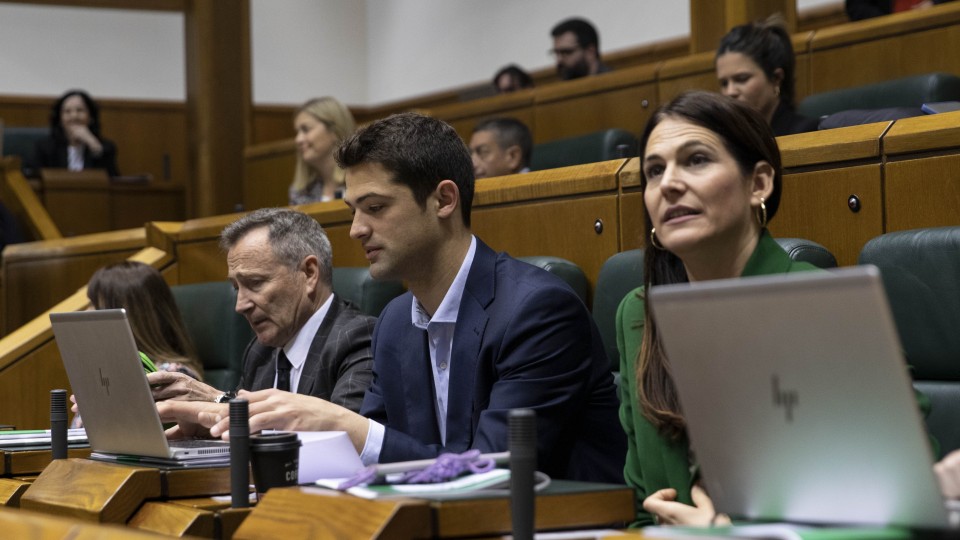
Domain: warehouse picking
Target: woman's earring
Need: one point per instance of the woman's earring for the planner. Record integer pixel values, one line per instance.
(653, 239)
(762, 214)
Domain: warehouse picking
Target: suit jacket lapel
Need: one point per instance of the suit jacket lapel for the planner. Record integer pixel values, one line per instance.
(467, 340)
(419, 394)
(311, 367)
(266, 376)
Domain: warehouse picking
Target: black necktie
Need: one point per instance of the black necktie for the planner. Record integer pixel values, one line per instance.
(283, 372)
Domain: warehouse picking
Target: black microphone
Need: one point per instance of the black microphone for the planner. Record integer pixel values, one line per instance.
(239, 454)
(58, 423)
(523, 464)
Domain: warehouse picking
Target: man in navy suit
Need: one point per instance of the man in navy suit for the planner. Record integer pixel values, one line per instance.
(479, 333)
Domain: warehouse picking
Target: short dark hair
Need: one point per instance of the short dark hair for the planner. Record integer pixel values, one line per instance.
(419, 151)
(509, 132)
(293, 236)
(56, 127)
(522, 78)
(768, 44)
(584, 30)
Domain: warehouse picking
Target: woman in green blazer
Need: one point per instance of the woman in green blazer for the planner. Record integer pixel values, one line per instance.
(711, 178)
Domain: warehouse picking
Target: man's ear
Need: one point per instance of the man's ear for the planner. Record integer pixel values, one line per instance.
(762, 181)
(310, 266)
(592, 52)
(448, 198)
(514, 158)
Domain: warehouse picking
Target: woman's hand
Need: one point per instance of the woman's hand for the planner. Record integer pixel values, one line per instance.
(664, 506)
(948, 474)
(81, 134)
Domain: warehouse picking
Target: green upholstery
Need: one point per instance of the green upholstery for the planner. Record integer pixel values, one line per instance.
(921, 275)
(565, 270)
(800, 249)
(20, 141)
(623, 273)
(589, 148)
(906, 92)
(218, 332)
(354, 284)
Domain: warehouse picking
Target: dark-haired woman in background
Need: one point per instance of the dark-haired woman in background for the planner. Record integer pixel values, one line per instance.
(711, 179)
(75, 142)
(154, 318)
(755, 64)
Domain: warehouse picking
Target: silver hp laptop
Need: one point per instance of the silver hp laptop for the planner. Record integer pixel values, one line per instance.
(105, 372)
(798, 401)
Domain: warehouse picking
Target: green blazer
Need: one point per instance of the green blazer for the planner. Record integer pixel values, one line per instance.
(655, 462)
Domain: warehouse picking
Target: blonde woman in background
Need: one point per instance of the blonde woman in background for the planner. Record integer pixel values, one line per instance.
(321, 125)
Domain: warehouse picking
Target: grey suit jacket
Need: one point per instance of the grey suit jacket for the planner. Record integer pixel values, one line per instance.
(339, 364)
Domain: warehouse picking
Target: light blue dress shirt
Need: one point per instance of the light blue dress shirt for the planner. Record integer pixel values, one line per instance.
(440, 329)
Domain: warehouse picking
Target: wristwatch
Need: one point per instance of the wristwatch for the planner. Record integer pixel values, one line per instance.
(225, 397)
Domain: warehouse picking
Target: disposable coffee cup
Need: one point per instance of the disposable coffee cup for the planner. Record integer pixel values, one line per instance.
(275, 460)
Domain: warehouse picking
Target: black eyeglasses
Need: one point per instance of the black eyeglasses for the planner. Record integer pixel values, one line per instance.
(563, 52)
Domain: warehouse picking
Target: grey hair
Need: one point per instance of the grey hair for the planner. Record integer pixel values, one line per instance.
(292, 235)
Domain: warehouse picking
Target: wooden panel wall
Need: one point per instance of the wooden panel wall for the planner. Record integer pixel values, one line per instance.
(37, 275)
(268, 171)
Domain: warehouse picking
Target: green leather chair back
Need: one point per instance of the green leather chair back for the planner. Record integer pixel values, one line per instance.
(565, 270)
(589, 148)
(218, 332)
(921, 274)
(354, 284)
(623, 273)
(20, 141)
(906, 92)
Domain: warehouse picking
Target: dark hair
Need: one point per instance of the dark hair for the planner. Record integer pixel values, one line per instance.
(584, 30)
(419, 151)
(56, 127)
(509, 132)
(293, 237)
(768, 44)
(750, 140)
(154, 318)
(516, 73)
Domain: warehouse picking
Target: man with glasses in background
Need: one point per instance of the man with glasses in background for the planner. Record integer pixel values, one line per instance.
(576, 46)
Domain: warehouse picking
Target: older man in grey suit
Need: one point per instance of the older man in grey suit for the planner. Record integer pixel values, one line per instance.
(308, 340)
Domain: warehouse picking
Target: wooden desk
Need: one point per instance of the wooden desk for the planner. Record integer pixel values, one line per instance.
(22, 524)
(85, 204)
(30, 462)
(141, 497)
(308, 512)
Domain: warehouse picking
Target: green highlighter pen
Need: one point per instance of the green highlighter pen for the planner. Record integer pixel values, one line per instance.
(148, 365)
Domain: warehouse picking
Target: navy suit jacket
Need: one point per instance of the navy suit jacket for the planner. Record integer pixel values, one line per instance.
(338, 363)
(523, 339)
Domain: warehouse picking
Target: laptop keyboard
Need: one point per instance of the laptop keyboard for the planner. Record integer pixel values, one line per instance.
(196, 443)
